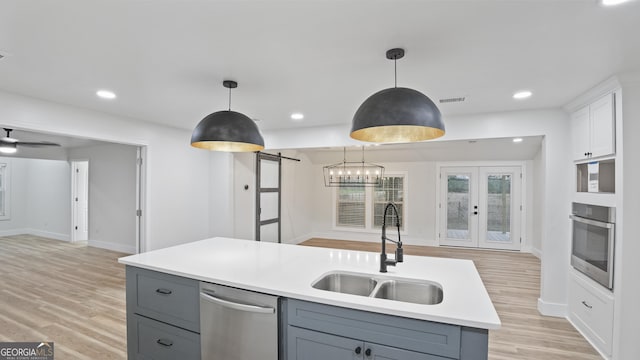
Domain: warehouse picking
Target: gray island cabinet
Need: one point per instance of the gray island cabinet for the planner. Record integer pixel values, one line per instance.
(316, 331)
(163, 323)
(166, 289)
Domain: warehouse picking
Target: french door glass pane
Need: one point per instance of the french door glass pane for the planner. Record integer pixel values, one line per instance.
(458, 198)
(499, 207)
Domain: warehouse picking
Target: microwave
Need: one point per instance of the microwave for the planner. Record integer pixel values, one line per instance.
(593, 241)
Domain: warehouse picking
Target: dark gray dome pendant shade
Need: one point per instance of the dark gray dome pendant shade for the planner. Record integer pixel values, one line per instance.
(227, 130)
(397, 115)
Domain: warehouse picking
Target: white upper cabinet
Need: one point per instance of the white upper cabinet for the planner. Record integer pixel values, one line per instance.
(580, 133)
(593, 129)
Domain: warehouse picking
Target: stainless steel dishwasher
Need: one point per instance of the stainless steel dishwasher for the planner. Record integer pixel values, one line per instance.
(237, 324)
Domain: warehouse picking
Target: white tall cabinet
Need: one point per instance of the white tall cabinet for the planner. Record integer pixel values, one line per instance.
(595, 118)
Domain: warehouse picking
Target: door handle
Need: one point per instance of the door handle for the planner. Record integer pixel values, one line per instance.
(237, 306)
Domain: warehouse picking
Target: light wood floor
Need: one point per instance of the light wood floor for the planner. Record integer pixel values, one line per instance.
(74, 296)
(67, 293)
(513, 282)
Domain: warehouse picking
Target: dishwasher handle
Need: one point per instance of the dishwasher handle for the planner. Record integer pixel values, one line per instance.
(237, 306)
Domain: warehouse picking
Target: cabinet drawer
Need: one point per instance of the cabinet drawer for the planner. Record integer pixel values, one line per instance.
(410, 334)
(167, 298)
(159, 341)
(592, 311)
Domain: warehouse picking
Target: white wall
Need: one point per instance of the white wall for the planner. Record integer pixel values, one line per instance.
(244, 169)
(536, 200)
(49, 198)
(221, 205)
(39, 198)
(297, 198)
(178, 176)
(112, 195)
(555, 205)
(17, 195)
(420, 226)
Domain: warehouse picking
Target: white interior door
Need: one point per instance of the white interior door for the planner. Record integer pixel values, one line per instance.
(80, 200)
(480, 207)
(458, 206)
(500, 208)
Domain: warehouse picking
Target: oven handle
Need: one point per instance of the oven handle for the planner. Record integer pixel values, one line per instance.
(591, 222)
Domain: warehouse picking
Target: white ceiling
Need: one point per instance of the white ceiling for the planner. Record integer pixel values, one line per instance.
(166, 59)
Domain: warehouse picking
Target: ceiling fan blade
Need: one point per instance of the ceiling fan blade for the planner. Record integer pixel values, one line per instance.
(36, 144)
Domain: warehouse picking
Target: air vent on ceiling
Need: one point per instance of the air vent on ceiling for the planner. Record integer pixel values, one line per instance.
(452, 100)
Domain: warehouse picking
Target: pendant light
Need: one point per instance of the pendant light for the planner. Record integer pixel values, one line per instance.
(397, 114)
(227, 130)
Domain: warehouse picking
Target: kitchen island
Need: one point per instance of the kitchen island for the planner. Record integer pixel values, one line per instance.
(465, 313)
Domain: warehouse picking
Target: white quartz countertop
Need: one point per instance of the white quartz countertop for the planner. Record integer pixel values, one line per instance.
(289, 270)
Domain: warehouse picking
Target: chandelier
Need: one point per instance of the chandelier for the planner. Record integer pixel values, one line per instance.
(352, 173)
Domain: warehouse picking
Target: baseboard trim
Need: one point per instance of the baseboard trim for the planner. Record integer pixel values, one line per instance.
(536, 252)
(113, 247)
(299, 239)
(49, 234)
(552, 309)
(14, 232)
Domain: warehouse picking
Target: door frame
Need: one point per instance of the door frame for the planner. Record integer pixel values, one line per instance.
(73, 237)
(524, 190)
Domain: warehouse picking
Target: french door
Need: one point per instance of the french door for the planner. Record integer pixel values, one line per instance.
(480, 206)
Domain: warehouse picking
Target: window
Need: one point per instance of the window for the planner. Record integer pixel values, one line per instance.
(4, 191)
(391, 189)
(362, 207)
(350, 207)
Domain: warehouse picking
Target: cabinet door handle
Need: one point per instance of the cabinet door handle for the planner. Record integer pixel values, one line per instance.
(587, 305)
(358, 350)
(164, 291)
(367, 352)
(165, 342)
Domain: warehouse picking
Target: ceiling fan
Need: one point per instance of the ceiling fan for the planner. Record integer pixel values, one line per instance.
(9, 145)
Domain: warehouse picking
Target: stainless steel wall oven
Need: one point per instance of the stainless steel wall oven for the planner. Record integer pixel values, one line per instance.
(593, 241)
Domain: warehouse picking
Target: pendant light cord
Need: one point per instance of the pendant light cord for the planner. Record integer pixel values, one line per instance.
(395, 71)
(229, 98)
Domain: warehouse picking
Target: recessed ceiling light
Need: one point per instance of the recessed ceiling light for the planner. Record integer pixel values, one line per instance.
(517, 140)
(522, 94)
(106, 94)
(297, 116)
(612, 2)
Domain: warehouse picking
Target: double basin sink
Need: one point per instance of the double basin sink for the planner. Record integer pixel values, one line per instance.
(405, 290)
